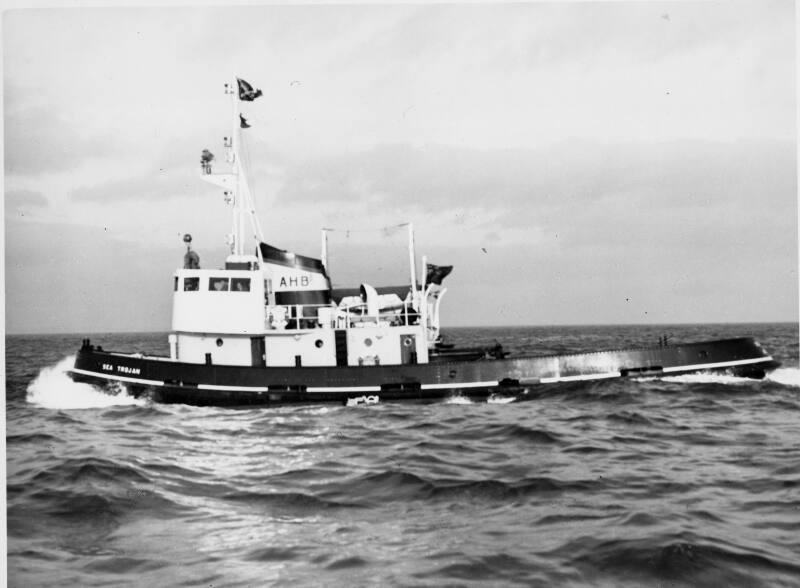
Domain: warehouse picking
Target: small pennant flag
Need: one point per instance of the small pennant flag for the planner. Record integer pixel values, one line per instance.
(434, 274)
(243, 122)
(246, 91)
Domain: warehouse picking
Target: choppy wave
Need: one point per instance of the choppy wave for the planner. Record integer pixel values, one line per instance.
(677, 481)
(54, 389)
(681, 562)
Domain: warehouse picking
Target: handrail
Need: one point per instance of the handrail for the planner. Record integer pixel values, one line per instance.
(296, 317)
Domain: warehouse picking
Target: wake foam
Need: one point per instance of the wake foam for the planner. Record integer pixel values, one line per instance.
(457, 400)
(707, 378)
(493, 399)
(53, 388)
(786, 376)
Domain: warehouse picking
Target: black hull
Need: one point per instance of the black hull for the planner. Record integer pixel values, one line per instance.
(169, 381)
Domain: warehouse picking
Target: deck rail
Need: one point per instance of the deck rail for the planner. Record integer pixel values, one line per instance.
(296, 317)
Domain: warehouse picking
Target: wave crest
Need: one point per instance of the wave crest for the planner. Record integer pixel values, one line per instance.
(54, 389)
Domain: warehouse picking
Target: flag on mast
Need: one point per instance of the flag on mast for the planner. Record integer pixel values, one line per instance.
(243, 122)
(246, 91)
(434, 274)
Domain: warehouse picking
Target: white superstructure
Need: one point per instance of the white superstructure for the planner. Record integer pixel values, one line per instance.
(270, 307)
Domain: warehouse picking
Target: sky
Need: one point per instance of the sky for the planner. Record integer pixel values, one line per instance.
(577, 163)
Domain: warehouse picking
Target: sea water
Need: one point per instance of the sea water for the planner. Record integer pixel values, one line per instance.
(676, 481)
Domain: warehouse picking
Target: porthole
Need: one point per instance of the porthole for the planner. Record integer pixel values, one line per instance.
(368, 342)
(407, 342)
(219, 342)
(318, 343)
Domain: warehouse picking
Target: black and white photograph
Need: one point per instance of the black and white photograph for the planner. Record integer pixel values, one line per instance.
(401, 294)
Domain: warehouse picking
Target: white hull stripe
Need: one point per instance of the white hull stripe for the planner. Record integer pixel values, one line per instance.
(117, 378)
(461, 385)
(343, 389)
(233, 388)
(721, 364)
(580, 378)
(378, 388)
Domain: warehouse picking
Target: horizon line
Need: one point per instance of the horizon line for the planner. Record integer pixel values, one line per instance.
(549, 325)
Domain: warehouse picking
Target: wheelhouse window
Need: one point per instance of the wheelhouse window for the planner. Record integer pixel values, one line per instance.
(191, 284)
(218, 284)
(176, 283)
(240, 284)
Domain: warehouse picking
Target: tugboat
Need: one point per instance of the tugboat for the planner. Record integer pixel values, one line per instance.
(270, 329)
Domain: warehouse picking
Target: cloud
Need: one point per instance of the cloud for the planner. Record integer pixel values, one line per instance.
(38, 140)
(640, 31)
(82, 279)
(156, 184)
(21, 201)
(459, 117)
(657, 220)
(575, 176)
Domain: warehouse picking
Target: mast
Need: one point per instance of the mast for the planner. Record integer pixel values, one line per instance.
(324, 250)
(236, 162)
(411, 255)
(237, 189)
